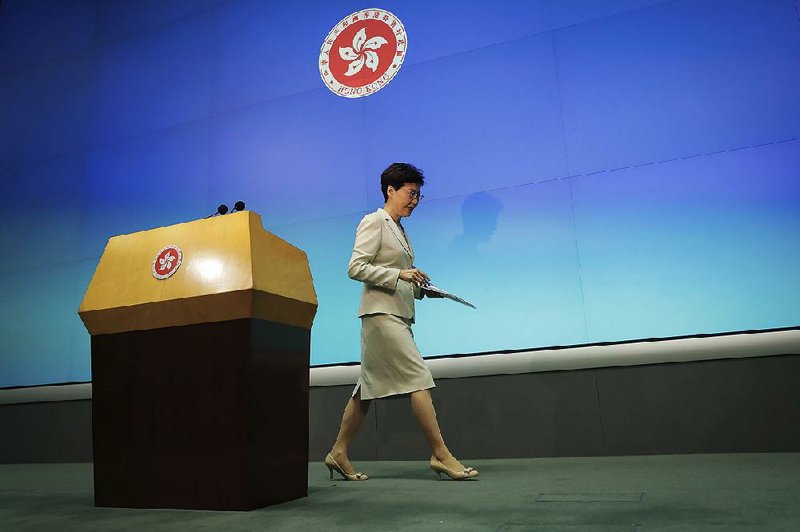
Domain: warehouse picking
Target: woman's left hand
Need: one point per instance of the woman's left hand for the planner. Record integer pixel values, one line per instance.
(415, 276)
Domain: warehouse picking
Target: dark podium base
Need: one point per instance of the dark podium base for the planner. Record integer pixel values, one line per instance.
(209, 416)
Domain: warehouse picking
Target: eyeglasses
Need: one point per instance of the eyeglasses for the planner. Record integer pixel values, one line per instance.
(414, 194)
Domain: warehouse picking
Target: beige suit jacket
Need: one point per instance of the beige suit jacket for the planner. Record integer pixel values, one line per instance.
(381, 250)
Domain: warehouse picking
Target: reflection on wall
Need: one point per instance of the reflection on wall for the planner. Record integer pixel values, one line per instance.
(596, 171)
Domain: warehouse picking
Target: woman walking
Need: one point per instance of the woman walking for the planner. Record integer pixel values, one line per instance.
(391, 364)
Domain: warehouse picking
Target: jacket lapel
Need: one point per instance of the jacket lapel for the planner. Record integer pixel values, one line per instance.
(406, 245)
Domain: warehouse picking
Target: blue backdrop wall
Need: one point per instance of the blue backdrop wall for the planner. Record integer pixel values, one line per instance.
(596, 170)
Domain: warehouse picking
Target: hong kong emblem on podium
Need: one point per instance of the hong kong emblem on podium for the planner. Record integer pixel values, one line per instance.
(167, 262)
(362, 53)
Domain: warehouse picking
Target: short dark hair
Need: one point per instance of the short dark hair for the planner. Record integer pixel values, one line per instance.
(397, 174)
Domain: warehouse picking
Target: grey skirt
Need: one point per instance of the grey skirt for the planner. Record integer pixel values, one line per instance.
(390, 361)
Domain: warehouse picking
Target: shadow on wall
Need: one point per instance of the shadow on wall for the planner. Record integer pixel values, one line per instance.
(479, 215)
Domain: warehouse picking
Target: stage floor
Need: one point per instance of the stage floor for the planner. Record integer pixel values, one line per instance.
(719, 492)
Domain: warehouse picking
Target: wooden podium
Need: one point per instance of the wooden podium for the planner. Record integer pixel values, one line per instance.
(201, 337)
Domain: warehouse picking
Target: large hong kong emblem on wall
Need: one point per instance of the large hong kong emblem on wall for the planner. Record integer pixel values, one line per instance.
(167, 262)
(362, 53)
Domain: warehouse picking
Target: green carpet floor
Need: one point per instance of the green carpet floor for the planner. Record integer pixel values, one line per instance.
(721, 492)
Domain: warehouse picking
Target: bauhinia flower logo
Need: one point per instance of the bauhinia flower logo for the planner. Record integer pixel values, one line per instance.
(362, 53)
(167, 262)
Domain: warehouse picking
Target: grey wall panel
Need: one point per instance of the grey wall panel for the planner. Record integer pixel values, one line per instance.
(46, 432)
(744, 405)
(726, 405)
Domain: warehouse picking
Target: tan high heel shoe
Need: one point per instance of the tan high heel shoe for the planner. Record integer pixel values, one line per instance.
(438, 467)
(331, 463)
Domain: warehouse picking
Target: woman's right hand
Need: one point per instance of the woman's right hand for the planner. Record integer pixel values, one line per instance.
(416, 276)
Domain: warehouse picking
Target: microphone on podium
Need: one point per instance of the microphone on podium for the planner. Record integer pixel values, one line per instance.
(238, 206)
(222, 209)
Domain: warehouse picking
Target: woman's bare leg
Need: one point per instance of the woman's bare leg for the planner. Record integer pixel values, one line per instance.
(422, 405)
(353, 415)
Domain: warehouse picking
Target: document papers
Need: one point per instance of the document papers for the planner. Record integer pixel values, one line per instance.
(448, 295)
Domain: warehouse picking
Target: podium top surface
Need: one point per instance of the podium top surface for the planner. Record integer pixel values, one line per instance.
(214, 269)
